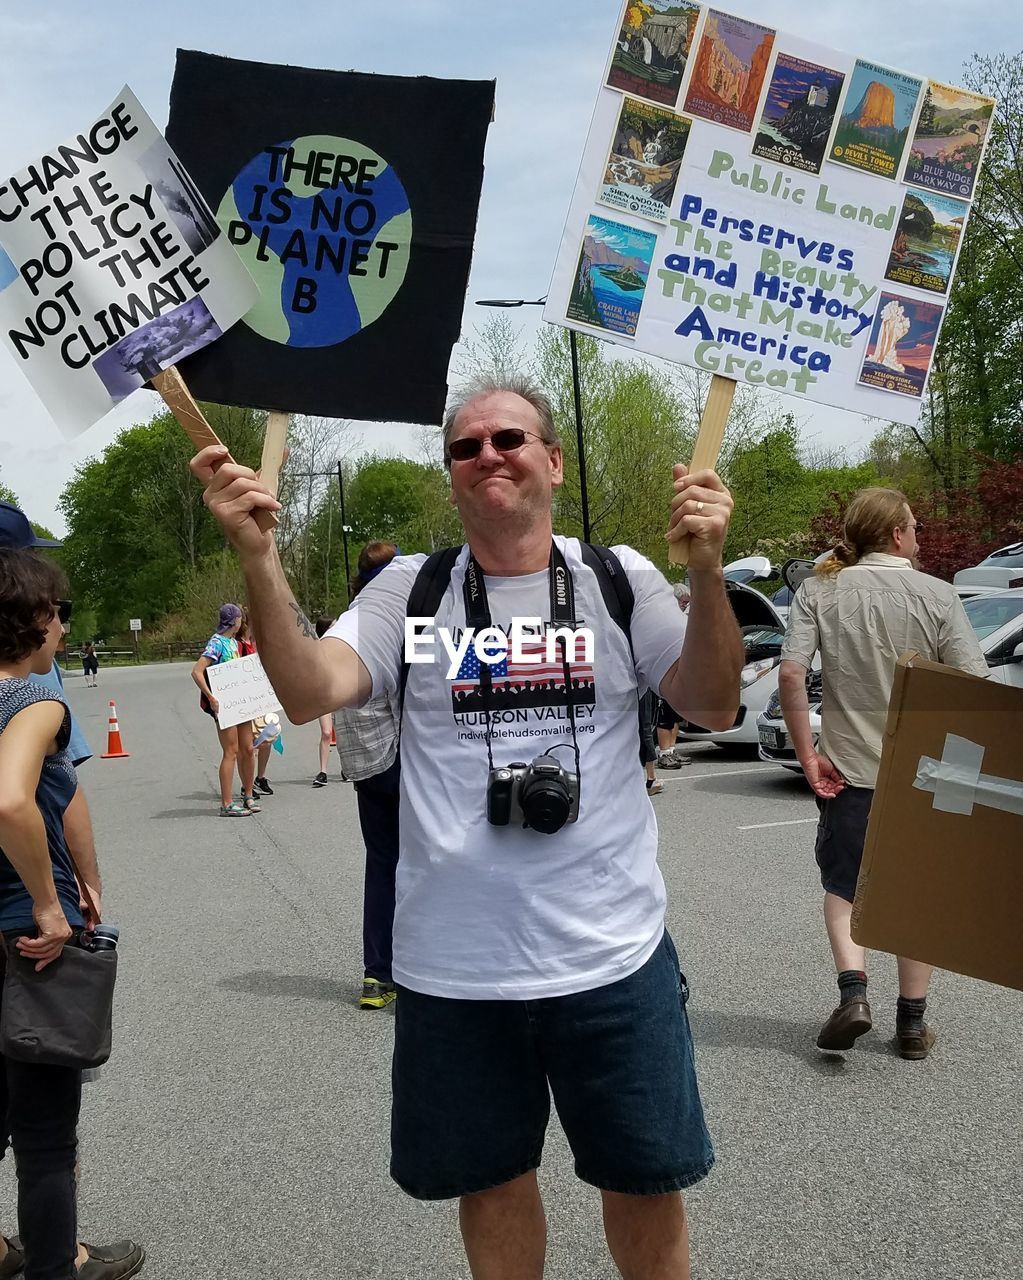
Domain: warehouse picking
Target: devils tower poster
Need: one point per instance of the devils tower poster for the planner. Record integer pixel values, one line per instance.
(872, 132)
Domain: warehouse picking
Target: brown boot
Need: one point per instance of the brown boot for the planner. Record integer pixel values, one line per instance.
(848, 1021)
(915, 1044)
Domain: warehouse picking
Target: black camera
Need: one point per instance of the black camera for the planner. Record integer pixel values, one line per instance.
(541, 795)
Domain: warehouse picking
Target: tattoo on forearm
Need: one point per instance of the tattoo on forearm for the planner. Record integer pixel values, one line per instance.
(301, 620)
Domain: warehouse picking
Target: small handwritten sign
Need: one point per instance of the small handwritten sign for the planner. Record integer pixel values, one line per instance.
(243, 691)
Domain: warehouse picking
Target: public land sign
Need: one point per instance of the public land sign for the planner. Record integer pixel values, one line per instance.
(760, 207)
(112, 267)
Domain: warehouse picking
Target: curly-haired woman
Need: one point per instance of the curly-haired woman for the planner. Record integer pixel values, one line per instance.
(39, 900)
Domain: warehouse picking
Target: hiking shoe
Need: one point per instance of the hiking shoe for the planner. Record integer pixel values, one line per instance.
(234, 810)
(262, 787)
(14, 1258)
(376, 995)
(252, 804)
(320, 780)
(111, 1261)
(668, 761)
(841, 1030)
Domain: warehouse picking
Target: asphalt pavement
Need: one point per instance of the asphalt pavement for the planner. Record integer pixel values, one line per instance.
(241, 1126)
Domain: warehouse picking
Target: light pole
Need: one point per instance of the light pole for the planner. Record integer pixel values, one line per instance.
(580, 447)
(345, 530)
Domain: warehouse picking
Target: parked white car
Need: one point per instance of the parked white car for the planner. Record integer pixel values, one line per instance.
(762, 633)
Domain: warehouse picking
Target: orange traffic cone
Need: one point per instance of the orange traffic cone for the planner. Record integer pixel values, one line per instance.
(333, 735)
(115, 748)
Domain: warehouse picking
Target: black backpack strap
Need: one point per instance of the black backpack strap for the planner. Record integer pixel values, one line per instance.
(425, 597)
(615, 586)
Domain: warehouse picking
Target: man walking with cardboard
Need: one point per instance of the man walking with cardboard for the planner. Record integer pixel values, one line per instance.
(865, 606)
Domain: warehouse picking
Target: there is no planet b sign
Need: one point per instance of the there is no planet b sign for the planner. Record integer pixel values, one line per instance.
(324, 227)
(352, 200)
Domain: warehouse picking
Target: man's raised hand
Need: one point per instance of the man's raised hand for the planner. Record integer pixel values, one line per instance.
(232, 493)
(700, 509)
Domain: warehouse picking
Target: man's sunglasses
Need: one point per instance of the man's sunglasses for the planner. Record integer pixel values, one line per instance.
(63, 611)
(507, 440)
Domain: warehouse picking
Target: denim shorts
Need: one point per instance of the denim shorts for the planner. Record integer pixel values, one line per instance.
(472, 1081)
(841, 833)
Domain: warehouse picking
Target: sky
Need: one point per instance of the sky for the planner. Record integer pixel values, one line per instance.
(65, 61)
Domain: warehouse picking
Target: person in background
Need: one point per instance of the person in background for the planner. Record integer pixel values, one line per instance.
(235, 742)
(40, 912)
(667, 718)
(865, 605)
(648, 748)
(367, 742)
(326, 724)
(90, 664)
(247, 645)
(123, 1258)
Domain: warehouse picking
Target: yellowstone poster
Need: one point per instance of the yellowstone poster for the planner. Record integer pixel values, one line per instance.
(901, 345)
(872, 132)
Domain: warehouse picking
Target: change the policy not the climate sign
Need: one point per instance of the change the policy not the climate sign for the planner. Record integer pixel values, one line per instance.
(766, 209)
(112, 267)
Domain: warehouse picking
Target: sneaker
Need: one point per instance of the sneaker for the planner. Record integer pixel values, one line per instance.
(668, 761)
(262, 787)
(111, 1261)
(320, 780)
(654, 787)
(234, 810)
(252, 804)
(376, 995)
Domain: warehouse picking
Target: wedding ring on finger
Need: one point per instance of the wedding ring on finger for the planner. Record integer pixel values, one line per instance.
(699, 508)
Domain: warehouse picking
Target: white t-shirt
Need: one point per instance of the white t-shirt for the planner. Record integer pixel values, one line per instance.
(486, 912)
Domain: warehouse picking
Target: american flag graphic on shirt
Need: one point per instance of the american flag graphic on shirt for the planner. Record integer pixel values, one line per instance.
(533, 682)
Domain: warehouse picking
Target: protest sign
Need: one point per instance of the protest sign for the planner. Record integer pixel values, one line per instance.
(807, 238)
(111, 266)
(243, 691)
(352, 199)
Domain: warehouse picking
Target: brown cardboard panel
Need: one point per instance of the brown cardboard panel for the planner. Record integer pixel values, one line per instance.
(945, 888)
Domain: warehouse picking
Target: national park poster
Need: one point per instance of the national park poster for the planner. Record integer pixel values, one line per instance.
(645, 157)
(926, 241)
(611, 276)
(874, 125)
(652, 48)
(901, 345)
(729, 71)
(947, 146)
(798, 113)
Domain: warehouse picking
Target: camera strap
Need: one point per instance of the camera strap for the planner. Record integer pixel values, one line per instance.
(477, 616)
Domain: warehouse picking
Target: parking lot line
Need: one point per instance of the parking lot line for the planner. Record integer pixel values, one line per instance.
(792, 822)
(727, 773)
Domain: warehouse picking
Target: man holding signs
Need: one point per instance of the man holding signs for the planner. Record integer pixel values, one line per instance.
(530, 952)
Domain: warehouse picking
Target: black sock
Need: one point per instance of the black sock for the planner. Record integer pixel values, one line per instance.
(852, 985)
(909, 1014)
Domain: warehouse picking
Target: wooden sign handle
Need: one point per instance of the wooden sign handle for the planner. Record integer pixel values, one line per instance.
(708, 445)
(171, 385)
(274, 443)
